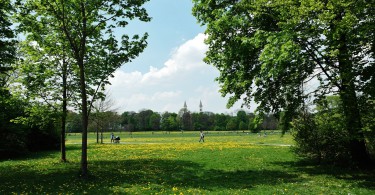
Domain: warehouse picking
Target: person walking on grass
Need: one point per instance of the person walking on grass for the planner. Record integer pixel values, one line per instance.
(112, 137)
(202, 136)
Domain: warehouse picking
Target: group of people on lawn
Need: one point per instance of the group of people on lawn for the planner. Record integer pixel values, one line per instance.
(117, 138)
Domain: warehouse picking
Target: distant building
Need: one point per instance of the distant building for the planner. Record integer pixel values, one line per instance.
(183, 110)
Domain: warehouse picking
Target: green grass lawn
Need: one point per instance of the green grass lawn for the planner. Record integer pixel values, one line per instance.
(175, 163)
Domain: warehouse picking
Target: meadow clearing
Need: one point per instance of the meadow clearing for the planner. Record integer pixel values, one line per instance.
(176, 163)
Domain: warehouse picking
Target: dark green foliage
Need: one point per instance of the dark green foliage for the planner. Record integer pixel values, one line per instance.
(243, 126)
(220, 122)
(269, 122)
(74, 123)
(169, 122)
(266, 51)
(232, 124)
(13, 140)
(203, 120)
(322, 136)
(7, 42)
(43, 139)
(19, 133)
(155, 121)
(146, 120)
(368, 118)
(132, 121)
(128, 121)
(242, 116)
(143, 120)
(186, 121)
(42, 123)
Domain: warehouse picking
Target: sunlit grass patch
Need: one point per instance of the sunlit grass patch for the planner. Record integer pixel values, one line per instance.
(176, 163)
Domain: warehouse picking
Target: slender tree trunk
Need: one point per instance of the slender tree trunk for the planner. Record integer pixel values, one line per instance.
(64, 111)
(349, 99)
(84, 169)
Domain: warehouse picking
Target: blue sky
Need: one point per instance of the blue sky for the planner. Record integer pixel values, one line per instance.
(171, 70)
(171, 25)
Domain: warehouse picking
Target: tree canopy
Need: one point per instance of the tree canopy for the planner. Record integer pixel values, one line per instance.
(268, 50)
(89, 29)
(7, 42)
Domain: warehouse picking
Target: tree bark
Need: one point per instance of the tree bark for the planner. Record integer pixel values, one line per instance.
(84, 169)
(349, 99)
(64, 110)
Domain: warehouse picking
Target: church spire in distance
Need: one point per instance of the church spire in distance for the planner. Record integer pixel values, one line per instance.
(200, 106)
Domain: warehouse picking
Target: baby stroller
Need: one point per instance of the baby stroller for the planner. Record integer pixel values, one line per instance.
(117, 139)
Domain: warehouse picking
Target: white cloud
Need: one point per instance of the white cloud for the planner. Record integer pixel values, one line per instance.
(184, 77)
(130, 78)
(187, 57)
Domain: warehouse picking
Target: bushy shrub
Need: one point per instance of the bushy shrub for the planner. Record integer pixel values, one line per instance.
(322, 135)
(13, 141)
(21, 131)
(42, 122)
(43, 139)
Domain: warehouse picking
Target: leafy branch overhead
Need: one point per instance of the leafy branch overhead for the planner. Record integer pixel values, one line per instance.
(268, 49)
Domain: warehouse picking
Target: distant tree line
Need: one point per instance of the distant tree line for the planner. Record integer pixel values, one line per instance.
(148, 120)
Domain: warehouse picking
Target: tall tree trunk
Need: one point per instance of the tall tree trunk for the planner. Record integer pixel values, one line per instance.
(84, 169)
(64, 110)
(85, 118)
(349, 99)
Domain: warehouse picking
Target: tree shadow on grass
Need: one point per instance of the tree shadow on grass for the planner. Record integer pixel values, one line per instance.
(40, 154)
(190, 174)
(362, 178)
(161, 173)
